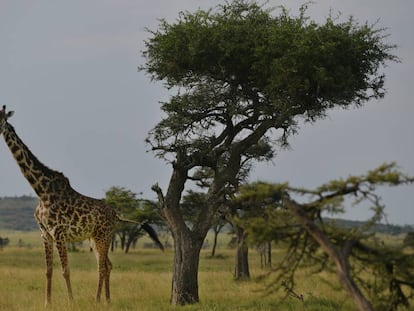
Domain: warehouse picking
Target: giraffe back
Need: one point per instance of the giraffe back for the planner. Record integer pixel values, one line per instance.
(75, 217)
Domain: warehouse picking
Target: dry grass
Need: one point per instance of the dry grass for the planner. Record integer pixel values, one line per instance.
(141, 280)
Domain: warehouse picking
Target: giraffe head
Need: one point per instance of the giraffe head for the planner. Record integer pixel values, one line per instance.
(4, 115)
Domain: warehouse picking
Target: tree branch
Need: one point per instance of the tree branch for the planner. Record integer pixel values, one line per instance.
(156, 188)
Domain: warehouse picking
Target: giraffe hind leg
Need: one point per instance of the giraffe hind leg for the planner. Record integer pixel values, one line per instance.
(108, 273)
(104, 268)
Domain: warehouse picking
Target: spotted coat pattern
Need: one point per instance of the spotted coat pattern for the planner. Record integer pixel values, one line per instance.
(63, 214)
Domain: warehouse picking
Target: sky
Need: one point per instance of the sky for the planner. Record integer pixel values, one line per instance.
(69, 71)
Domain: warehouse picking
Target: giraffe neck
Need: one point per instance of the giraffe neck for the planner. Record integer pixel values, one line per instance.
(41, 178)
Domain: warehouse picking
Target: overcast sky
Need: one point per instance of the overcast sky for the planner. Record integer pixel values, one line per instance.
(69, 71)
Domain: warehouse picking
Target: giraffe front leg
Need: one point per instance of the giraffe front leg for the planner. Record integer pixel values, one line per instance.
(63, 254)
(48, 247)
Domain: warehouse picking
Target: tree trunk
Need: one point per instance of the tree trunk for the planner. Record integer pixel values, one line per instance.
(241, 271)
(269, 254)
(213, 250)
(187, 243)
(127, 245)
(348, 283)
(132, 238)
(122, 238)
(185, 270)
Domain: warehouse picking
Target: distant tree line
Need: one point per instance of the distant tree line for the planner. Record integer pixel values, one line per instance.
(384, 228)
(16, 213)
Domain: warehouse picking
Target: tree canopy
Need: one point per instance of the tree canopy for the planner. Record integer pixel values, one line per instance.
(241, 70)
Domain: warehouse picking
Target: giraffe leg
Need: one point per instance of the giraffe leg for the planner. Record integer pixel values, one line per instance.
(104, 269)
(63, 254)
(108, 273)
(48, 247)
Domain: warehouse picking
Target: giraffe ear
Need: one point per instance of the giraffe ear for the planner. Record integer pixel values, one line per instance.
(10, 113)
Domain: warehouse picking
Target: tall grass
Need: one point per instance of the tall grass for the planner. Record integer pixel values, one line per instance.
(23, 238)
(141, 280)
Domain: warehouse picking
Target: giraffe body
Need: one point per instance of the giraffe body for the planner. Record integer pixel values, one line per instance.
(73, 218)
(74, 226)
(64, 215)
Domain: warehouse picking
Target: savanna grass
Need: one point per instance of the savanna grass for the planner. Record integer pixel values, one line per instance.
(141, 280)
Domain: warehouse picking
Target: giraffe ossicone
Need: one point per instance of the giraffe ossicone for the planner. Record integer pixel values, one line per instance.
(64, 215)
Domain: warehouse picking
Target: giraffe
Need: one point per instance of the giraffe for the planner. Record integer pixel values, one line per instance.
(64, 215)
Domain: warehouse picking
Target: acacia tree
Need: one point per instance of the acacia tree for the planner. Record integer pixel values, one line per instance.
(126, 203)
(244, 77)
(251, 202)
(353, 253)
(387, 265)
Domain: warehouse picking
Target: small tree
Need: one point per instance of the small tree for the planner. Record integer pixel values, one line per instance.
(125, 202)
(251, 202)
(129, 206)
(218, 223)
(241, 74)
(352, 251)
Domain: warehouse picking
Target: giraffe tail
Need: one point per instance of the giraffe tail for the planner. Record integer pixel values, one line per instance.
(144, 225)
(153, 235)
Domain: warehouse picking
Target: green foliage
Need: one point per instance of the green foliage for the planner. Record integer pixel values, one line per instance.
(242, 61)
(129, 206)
(241, 71)
(259, 192)
(191, 205)
(239, 41)
(258, 204)
(389, 268)
(390, 285)
(330, 196)
(126, 203)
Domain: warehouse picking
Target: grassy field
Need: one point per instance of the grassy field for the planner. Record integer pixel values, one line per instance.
(141, 280)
